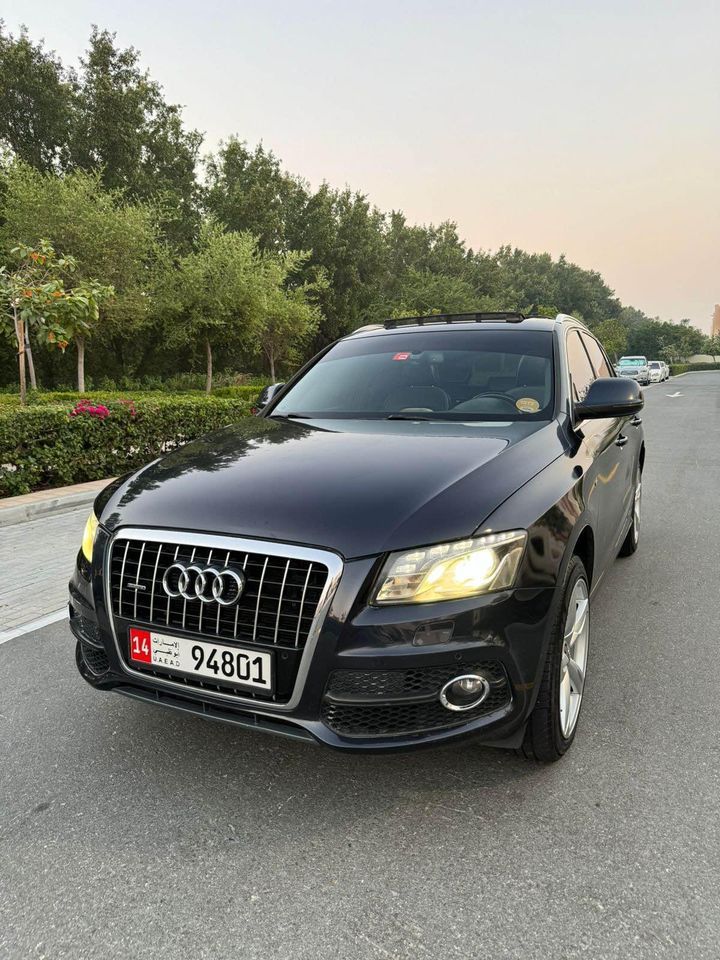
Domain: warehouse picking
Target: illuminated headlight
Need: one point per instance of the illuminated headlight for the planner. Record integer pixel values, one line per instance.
(91, 528)
(450, 571)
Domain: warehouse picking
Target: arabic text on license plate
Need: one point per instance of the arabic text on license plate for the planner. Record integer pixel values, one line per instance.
(235, 665)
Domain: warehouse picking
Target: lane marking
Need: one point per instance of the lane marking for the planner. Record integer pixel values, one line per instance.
(677, 394)
(33, 625)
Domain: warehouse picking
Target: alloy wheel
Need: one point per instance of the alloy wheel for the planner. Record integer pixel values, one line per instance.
(573, 662)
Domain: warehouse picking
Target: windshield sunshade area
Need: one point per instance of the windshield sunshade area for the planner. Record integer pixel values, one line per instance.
(449, 375)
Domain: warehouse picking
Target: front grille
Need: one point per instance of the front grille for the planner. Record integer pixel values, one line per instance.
(386, 703)
(277, 606)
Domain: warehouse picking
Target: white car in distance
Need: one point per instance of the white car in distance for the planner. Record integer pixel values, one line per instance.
(635, 368)
(657, 371)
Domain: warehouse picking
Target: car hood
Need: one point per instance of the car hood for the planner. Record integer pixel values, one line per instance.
(357, 487)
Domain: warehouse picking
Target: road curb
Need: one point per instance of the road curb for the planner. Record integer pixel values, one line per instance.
(31, 506)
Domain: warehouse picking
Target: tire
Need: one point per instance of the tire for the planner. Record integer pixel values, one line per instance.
(549, 732)
(632, 540)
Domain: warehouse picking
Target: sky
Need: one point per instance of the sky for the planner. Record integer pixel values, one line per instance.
(585, 127)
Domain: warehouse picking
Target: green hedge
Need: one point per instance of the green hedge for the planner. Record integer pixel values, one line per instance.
(37, 398)
(43, 446)
(676, 368)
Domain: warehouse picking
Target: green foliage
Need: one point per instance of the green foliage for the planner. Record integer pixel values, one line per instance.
(37, 97)
(215, 296)
(33, 296)
(290, 312)
(613, 336)
(42, 446)
(124, 178)
(665, 341)
(676, 368)
(41, 398)
(248, 191)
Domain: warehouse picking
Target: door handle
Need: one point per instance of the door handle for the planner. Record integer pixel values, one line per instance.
(621, 441)
(636, 421)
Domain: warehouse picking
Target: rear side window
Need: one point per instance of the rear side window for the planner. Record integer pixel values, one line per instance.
(596, 355)
(581, 371)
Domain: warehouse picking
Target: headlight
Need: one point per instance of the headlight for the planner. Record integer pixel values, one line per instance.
(450, 571)
(89, 533)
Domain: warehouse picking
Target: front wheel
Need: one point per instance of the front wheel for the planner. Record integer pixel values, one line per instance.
(553, 723)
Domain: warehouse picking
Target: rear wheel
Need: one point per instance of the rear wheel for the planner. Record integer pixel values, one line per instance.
(553, 723)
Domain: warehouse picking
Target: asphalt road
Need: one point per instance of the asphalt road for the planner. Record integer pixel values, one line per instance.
(127, 831)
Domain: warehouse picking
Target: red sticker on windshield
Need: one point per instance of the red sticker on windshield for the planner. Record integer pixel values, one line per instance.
(401, 356)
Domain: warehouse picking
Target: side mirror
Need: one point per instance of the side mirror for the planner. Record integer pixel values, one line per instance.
(610, 397)
(266, 395)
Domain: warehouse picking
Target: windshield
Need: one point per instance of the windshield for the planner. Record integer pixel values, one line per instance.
(430, 375)
(655, 364)
(633, 362)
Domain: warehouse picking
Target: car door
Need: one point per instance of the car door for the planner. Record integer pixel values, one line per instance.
(628, 438)
(605, 479)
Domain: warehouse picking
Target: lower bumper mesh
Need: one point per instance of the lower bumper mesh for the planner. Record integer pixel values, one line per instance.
(386, 703)
(95, 658)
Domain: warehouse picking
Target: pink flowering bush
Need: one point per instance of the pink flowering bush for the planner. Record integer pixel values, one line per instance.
(87, 407)
(49, 445)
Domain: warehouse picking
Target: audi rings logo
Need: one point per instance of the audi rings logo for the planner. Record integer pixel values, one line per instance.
(207, 584)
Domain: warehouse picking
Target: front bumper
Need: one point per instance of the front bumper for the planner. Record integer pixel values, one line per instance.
(374, 675)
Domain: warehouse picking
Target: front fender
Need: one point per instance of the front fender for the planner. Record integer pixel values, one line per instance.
(553, 510)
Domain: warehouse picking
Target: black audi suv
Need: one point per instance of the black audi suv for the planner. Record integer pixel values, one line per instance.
(401, 548)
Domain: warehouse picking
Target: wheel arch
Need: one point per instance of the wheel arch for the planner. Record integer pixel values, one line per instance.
(584, 548)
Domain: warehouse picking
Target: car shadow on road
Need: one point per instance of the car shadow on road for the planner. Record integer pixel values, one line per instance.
(196, 765)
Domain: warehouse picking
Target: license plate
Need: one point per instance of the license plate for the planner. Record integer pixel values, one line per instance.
(210, 661)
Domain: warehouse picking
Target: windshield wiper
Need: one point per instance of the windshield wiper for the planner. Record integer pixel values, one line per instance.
(291, 416)
(405, 416)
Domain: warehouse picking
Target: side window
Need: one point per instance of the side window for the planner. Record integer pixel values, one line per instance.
(581, 372)
(596, 355)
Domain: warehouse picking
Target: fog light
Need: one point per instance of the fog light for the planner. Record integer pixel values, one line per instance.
(464, 692)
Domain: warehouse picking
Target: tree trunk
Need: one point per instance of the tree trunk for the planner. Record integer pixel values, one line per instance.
(80, 341)
(30, 362)
(272, 366)
(20, 328)
(208, 379)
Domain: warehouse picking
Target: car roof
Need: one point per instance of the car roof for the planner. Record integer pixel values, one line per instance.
(429, 323)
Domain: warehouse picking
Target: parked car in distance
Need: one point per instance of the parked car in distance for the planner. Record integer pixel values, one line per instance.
(401, 549)
(635, 368)
(657, 371)
(667, 369)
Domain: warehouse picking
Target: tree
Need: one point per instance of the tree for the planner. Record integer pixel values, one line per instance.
(124, 128)
(34, 295)
(215, 296)
(248, 190)
(613, 336)
(713, 346)
(112, 242)
(37, 99)
(290, 317)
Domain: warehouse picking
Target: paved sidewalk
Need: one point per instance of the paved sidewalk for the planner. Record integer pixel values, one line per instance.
(36, 559)
(29, 506)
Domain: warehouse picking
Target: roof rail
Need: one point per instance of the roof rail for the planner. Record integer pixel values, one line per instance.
(505, 316)
(368, 326)
(566, 318)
